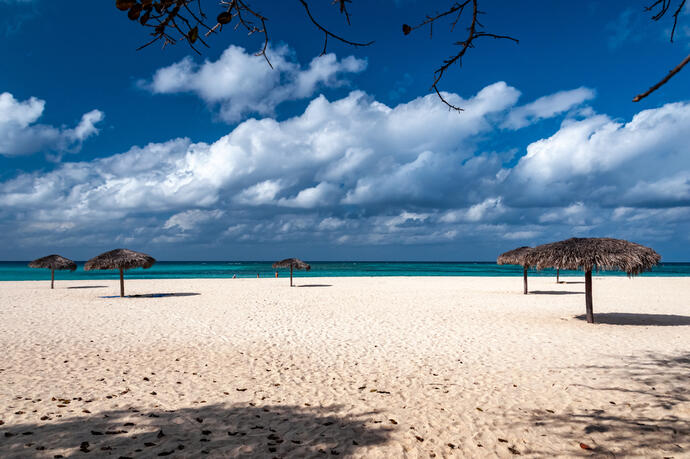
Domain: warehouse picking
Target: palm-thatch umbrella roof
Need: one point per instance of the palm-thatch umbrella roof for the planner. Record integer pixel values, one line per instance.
(292, 263)
(597, 253)
(54, 262)
(120, 259)
(594, 253)
(516, 257)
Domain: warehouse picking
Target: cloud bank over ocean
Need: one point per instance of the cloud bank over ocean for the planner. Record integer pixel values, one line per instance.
(354, 171)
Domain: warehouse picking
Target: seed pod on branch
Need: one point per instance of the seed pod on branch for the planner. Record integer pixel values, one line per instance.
(124, 5)
(134, 11)
(145, 17)
(193, 34)
(224, 17)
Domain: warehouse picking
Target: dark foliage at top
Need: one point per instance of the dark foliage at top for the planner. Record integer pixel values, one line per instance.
(173, 20)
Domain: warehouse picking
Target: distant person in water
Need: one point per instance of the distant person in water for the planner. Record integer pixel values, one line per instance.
(257, 275)
(234, 276)
(276, 274)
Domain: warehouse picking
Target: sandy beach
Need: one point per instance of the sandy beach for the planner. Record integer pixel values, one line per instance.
(350, 367)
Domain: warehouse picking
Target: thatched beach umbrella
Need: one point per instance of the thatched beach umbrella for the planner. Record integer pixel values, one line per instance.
(120, 259)
(292, 263)
(53, 262)
(516, 257)
(597, 253)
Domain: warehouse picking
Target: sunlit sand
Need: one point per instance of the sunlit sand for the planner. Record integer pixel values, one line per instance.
(355, 367)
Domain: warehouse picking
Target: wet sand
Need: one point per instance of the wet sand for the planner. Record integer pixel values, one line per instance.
(350, 367)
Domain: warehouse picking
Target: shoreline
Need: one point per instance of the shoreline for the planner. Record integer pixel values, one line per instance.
(107, 276)
(114, 276)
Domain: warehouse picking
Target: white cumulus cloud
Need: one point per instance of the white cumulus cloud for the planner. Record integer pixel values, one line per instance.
(191, 219)
(354, 172)
(547, 107)
(643, 162)
(242, 83)
(21, 135)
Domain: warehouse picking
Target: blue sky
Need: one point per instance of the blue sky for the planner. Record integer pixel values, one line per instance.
(346, 156)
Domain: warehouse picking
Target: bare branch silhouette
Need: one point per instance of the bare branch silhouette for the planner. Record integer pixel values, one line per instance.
(175, 20)
(659, 9)
(474, 31)
(663, 81)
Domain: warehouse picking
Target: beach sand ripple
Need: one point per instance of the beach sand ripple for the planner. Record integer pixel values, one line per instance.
(356, 367)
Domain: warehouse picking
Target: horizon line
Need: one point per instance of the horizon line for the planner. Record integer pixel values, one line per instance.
(325, 261)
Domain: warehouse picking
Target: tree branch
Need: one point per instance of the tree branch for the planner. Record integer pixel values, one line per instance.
(172, 20)
(677, 69)
(473, 32)
(664, 6)
(328, 33)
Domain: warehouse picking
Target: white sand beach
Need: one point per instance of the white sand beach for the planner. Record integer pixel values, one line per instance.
(350, 367)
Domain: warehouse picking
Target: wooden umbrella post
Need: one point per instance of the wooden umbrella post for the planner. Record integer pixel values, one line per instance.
(589, 254)
(558, 275)
(120, 260)
(52, 278)
(524, 277)
(588, 296)
(292, 263)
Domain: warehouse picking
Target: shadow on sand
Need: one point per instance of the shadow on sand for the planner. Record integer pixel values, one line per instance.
(630, 426)
(554, 292)
(571, 282)
(621, 318)
(219, 430)
(154, 295)
(314, 285)
(89, 286)
(620, 435)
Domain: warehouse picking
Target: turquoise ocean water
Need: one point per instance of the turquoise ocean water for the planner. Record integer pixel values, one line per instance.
(18, 270)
